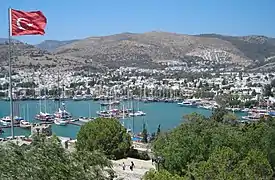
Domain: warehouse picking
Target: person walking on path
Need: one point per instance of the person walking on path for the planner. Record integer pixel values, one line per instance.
(132, 166)
(132, 163)
(123, 166)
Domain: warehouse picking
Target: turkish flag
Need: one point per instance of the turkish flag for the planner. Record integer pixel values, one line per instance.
(27, 23)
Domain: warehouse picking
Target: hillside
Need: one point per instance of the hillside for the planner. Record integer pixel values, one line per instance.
(151, 47)
(51, 45)
(28, 56)
(257, 48)
(149, 50)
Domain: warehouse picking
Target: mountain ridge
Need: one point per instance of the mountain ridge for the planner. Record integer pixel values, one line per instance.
(149, 48)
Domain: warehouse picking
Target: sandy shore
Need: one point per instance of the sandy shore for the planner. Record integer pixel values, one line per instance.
(139, 170)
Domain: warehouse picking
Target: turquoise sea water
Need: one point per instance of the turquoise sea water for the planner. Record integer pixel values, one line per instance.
(169, 115)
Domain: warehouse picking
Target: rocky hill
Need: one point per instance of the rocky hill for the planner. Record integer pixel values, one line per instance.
(257, 48)
(150, 49)
(28, 56)
(51, 45)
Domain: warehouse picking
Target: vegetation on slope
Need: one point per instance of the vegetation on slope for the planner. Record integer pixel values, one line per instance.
(106, 135)
(46, 159)
(214, 148)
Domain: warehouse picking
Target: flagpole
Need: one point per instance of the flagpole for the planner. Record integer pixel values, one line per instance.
(10, 76)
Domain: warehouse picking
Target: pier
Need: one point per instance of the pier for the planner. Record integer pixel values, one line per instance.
(75, 123)
(9, 126)
(45, 122)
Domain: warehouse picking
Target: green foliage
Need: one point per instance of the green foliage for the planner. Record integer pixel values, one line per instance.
(204, 94)
(158, 130)
(267, 90)
(47, 159)
(77, 84)
(161, 175)
(218, 114)
(106, 135)
(253, 93)
(217, 148)
(27, 85)
(224, 163)
(133, 153)
(272, 83)
(144, 134)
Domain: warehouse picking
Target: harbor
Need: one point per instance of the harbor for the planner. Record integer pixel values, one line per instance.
(168, 115)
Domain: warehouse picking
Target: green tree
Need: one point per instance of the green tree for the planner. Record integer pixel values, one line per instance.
(88, 91)
(211, 148)
(267, 90)
(158, 130)
(218, 114)
(241, 75)
(144, 134)
(253, 93)
(224, 82)
(230, 118)
(47, 159)
(224, 163)
(106, 135)
(161, 175)
(272, 83)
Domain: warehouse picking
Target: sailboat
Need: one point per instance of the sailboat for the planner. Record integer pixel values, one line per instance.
(61, 116)
(123, 119)
(85, 119)
(24, 123)
(137, 113)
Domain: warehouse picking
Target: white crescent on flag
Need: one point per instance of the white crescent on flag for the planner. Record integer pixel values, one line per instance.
(19, 24)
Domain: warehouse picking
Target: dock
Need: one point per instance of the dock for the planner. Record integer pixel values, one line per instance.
(43, 122)
(9, 126)
(75, 123)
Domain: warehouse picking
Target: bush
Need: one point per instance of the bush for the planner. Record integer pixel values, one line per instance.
(133, 153)
(106, 135)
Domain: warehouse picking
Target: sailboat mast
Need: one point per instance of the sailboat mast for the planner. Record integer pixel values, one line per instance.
(58, 86)
(89, 110)
(133, 117)
(45, 101)
(40, 95)
(28, 112)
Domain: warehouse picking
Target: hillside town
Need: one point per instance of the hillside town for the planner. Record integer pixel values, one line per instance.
(143, 83)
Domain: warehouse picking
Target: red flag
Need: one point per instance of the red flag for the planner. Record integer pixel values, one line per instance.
(27, 23)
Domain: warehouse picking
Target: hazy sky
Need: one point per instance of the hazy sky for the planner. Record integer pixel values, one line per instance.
(71, 19)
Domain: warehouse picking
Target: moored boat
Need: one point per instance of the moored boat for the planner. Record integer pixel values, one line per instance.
(25, 124)
(5, 121)
(189, 103)
(44, 117)
(85, 119)
(60, 122)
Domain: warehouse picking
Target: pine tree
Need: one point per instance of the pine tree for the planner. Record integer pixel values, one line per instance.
(158, 130)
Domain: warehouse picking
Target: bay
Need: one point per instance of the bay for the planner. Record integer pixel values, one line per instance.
(168, 115)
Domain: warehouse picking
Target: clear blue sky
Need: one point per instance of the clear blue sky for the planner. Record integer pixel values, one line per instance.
(70, 19)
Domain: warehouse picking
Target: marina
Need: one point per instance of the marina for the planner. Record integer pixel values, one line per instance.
(168, 115)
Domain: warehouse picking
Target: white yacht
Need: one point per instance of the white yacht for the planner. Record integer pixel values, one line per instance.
(25, 124)
(84, 119)
(138, 113)
(60, 122)
(189, 102)
(5, 121)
